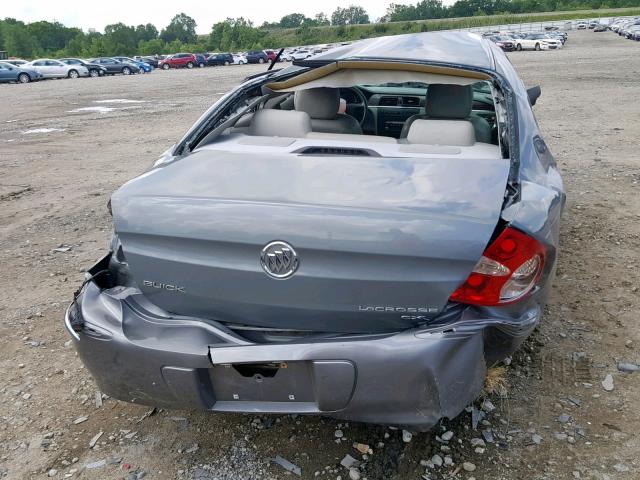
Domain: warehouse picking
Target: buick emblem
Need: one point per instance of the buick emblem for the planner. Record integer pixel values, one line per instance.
(279, 259)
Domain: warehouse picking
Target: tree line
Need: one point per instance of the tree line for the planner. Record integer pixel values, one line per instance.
(434, 9)
(30, 40)
(43, 38)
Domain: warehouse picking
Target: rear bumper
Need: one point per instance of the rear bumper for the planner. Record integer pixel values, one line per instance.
(411, 379)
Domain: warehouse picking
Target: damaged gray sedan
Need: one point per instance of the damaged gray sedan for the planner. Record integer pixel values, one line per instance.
(360, 235)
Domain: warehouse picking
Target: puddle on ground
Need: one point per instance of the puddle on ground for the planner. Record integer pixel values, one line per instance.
(119, 100)
(100, 109)
(42, 130)
(92, 109)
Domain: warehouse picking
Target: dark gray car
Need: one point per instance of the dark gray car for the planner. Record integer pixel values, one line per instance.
(114, 67)
(369, 263)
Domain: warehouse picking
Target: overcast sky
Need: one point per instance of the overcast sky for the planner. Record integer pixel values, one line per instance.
(87, 14)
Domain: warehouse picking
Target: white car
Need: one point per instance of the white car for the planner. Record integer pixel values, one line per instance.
(582, 26)
(553, 41)
(301, 54)
(239, 60)
(287, 55)
(55, 69)
(536, 41)
(18, 62)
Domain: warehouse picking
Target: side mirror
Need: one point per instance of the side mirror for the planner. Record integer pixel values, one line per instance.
(534, 93)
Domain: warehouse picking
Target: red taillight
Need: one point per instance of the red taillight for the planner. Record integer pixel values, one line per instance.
(508, 270)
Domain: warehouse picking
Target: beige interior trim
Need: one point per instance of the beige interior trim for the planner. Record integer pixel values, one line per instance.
(321, 72)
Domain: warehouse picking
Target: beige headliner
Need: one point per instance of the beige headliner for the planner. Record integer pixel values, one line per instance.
(347, 74)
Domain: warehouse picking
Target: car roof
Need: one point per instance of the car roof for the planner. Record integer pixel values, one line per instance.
(461, 48)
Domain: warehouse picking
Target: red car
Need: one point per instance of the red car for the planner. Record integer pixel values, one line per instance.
(178, 60)
(271, 55)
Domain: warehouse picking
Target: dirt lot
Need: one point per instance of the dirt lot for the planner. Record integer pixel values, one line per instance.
(557, 421)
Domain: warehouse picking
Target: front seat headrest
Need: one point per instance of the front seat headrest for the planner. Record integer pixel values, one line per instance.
(280, 123)
(320, 103)
(458, 133)
(449, 101)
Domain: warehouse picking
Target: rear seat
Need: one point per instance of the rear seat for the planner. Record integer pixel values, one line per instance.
(296, 124)
(429, 136)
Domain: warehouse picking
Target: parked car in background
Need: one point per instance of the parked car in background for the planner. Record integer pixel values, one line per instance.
(239, 59)
(287, 54)
(220, 59)
(632, 32)
(50, 68)
(624, 24)
(553, 41)
(178, 60)
(562, 36)
(271, 55)
(201, 60)
(615, 26)
(114, 66)
(143, 66)
(13, 73)
(582, 26)
(505, 43)
(95, 70)
(16, 61)
(622, 27)
(301, 54)
(257, 56)
(601, 28)
(150, 60)
(533, 41)
(623, 31)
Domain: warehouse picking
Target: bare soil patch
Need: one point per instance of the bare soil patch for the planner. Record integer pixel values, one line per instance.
(557, 420)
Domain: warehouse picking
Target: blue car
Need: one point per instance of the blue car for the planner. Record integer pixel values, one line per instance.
(144, 67)
(13, 73)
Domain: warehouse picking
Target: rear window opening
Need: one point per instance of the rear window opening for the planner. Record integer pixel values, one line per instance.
(368, 113)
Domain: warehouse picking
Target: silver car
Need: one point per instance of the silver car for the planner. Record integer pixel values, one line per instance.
(361, 236)
(56, 69)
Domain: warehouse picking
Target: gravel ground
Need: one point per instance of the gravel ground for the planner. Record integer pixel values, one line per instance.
(557, 420)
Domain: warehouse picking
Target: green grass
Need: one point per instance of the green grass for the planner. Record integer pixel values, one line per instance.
(317, 35)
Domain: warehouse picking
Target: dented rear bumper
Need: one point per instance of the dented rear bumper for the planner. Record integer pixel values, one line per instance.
(413, 378)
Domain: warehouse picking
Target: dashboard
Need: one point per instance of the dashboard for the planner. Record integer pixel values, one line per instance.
(383, 110)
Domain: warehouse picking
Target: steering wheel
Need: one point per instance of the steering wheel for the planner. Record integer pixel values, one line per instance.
(357, 110)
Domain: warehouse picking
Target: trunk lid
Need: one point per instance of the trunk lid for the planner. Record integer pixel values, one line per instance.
(381, 242)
